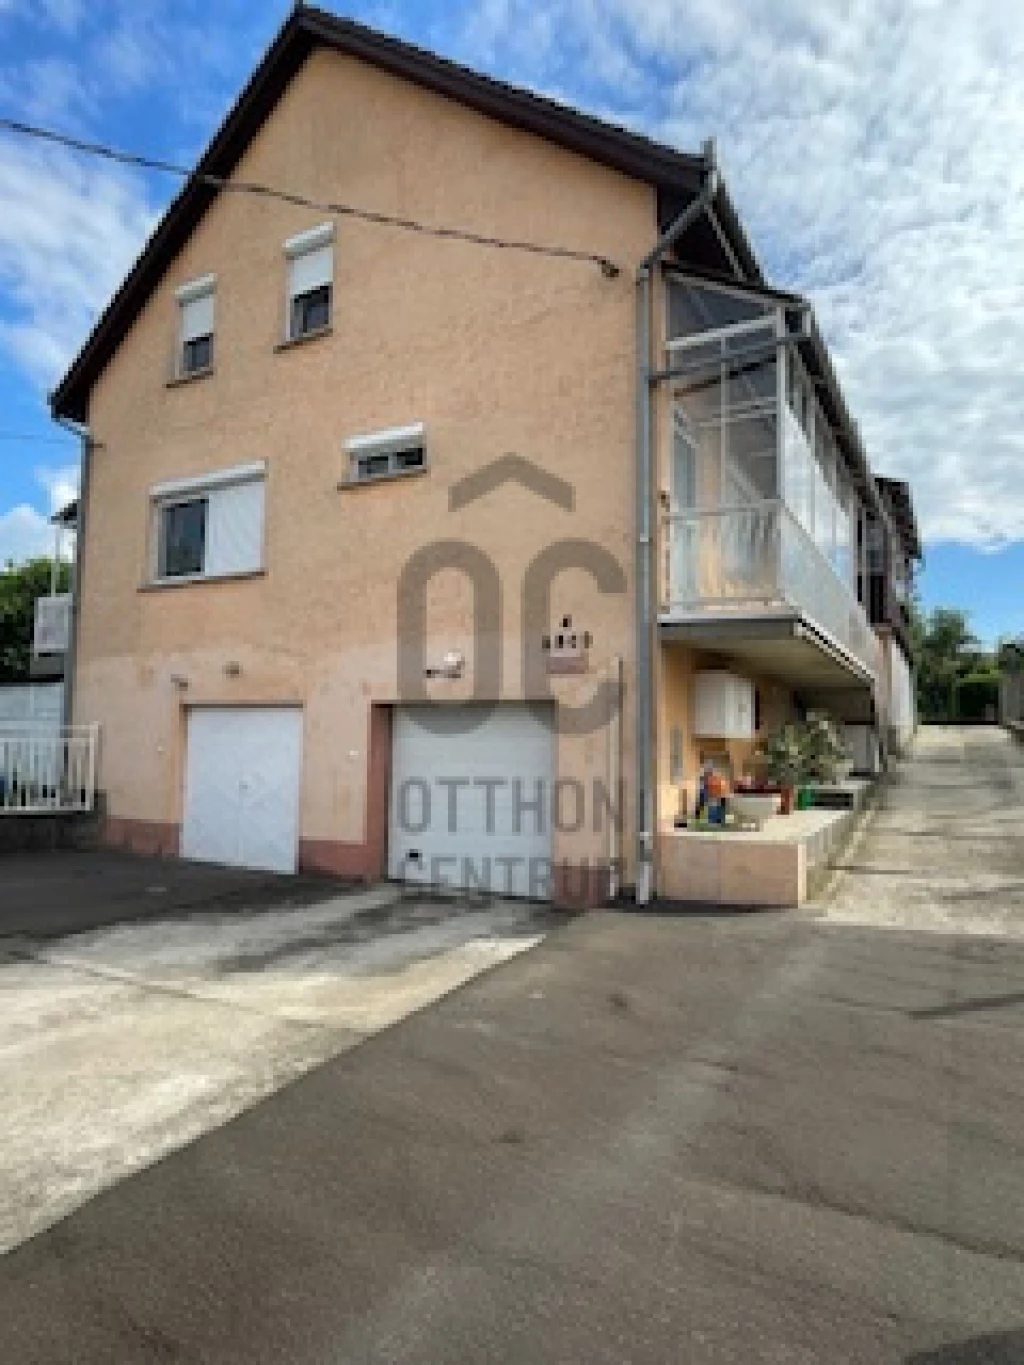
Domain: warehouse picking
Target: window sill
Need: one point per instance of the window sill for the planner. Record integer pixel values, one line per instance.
(192, 580)
(290, 342)
(344, 485)
(190, 378)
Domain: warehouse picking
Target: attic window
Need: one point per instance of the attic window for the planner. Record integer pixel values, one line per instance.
(310, 281)
(196, 304)
(388, 454)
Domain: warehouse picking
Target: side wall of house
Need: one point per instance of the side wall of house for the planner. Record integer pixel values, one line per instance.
(497, 352)
(902, 704)
(677, 668)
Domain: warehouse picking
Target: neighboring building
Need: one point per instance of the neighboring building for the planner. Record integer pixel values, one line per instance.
(893, 552)
(305, 429)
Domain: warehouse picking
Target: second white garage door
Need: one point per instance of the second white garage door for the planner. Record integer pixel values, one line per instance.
(242, 780)
(464, 802)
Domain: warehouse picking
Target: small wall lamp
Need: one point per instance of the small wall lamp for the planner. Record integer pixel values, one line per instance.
(452, 666)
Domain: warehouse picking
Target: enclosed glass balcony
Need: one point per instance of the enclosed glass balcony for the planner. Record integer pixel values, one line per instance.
(761, 514)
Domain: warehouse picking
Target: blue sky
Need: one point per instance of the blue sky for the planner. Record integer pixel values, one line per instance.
(873, 150)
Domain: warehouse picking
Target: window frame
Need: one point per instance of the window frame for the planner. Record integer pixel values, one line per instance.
(184, 492)
(205, 286)
(295, 248)
(392, 446)
(164, 575)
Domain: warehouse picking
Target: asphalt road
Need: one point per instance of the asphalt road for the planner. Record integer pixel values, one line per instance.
(120, 1043)
(946, 849)
(651, 1139)
(70, 891)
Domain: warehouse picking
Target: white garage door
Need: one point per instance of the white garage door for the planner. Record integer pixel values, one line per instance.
(242, 779)
(472, 807)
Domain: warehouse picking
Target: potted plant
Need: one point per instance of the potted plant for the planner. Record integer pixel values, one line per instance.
(825, 752)
(785, 762)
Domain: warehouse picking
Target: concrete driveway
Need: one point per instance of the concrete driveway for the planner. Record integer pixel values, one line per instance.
(121, 1041)
(946, 850)
(718, 1140)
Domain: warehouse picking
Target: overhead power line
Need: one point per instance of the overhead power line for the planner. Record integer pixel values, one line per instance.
(217, 182)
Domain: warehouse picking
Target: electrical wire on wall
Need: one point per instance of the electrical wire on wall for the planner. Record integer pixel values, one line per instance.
(221, 183)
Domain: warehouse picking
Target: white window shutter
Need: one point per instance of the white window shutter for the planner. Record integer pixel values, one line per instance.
(312, 270)
(234, 531)
(197, 317)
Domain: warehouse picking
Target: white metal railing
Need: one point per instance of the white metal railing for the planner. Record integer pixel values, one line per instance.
(44, 772)
(756, 557)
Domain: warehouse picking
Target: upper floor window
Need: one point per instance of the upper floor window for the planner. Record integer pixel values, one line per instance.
(387, 454)
(209, 527)
(310, 281)
(196, 305)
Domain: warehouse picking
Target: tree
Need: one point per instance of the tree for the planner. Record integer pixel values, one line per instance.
(20, 585)
(945, 651)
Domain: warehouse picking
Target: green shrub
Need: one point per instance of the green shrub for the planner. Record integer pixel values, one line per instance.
(976, 694)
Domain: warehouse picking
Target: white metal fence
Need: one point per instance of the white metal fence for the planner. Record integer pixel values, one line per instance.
(756, 556)
(42, 772)
(36, 704)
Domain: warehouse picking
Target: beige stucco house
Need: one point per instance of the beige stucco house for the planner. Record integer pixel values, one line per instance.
(451, 555)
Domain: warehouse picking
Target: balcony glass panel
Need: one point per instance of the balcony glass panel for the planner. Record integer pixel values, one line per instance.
(755, 558)
(761, 512)
(703, 308)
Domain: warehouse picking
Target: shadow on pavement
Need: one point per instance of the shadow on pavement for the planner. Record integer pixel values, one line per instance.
(950, 1011)
(1003, 1348)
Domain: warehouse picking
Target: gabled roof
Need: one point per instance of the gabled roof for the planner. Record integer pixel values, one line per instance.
(67, 517)
(673, 173)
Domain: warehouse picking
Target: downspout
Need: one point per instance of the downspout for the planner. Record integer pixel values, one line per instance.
(644, 540)
(71, 658)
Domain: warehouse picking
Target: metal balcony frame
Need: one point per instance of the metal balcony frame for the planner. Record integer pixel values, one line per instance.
(790, 319)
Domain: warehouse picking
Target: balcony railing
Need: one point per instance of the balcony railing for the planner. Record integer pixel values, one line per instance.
(756, 558)
(43, 772)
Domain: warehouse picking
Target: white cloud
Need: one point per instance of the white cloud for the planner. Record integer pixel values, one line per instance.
(49, 90)
(873, 149)
(68, 234)
(60, 484)
(24, 534)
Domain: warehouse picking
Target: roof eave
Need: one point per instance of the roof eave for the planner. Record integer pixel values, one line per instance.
(282, 59)
(846, 429)
(631, 154)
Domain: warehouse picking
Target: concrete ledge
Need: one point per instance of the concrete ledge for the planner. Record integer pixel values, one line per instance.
(779, 866)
